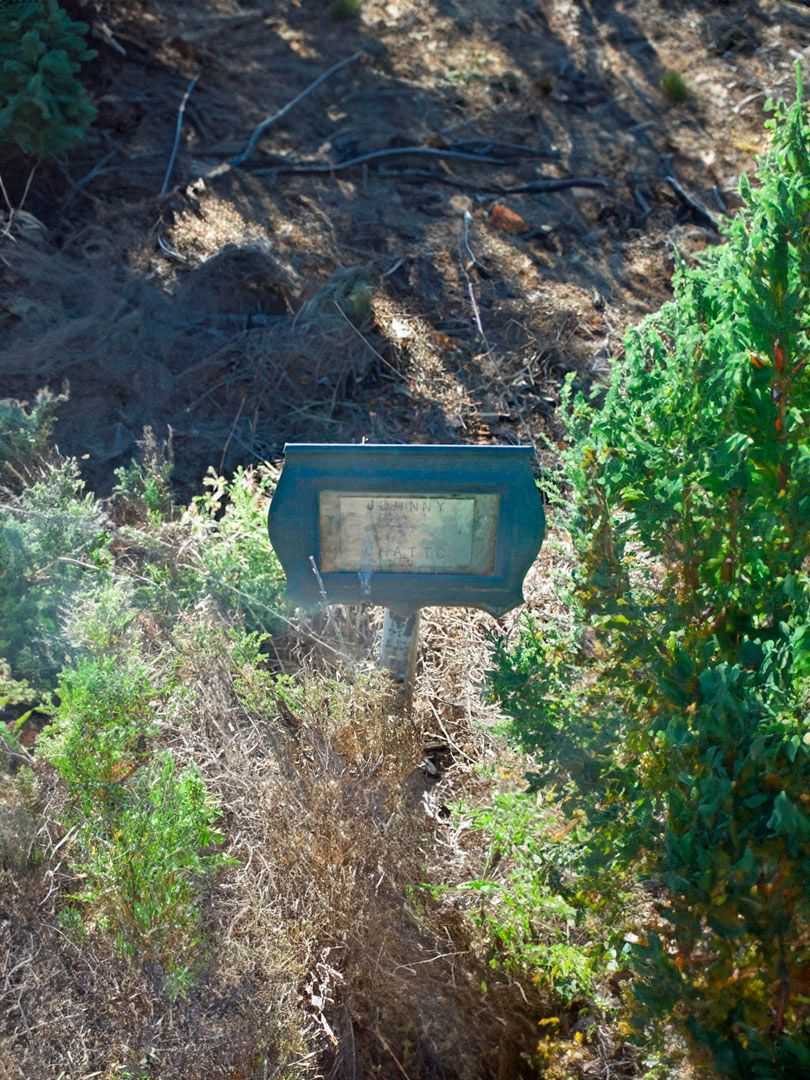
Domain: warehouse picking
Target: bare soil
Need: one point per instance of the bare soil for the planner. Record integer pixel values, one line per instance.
(406, 298)
(456, 310)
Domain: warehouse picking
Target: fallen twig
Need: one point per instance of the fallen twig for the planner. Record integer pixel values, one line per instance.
(464, 244)
(168, 250)
(541, 184)
(375, 155)
(79, 185)
(503, 149)
(275, 117)
(13, 210)
(173, 156)
(642, 203)
(693, 204)
(465, 241)
(364, 339)
(394, 1057)
(544, 184)
(215, 24)
(747, 100)
(231, 434)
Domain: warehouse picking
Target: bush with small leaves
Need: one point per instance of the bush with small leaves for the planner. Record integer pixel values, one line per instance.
(142, 876)
(25, 433)
(45, 109)
(102, 719)
(53, 542)
(143, 832)
(536, 922)
(690, 747)
(230, 559)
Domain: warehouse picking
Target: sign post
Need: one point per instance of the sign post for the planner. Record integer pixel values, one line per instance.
(399, 640)
(406, 527)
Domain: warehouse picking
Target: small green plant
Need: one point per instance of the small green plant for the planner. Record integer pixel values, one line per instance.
(102, 720)
(53, 541)
(345, 9)
(143, 488)
(45, 109)
(533, 911)
(12, 691)
(690, 515)
(674, 87)
(232, 561)
(144, 832)
(102, 619)
(13, 694)
(141, 877)
(25, 433)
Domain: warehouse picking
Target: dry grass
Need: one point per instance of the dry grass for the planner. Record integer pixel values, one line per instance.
(321, 955)
(232, 352)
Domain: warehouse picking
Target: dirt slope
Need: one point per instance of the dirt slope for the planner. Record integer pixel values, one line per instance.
(463, 307)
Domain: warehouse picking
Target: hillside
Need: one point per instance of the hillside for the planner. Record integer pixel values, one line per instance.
(477, 200)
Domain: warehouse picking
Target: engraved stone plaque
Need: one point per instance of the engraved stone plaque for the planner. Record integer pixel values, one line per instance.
(409, 532)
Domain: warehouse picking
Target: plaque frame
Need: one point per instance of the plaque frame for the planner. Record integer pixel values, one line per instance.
(310, 468)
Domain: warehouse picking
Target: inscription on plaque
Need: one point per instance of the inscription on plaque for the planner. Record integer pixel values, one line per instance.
(369, 532)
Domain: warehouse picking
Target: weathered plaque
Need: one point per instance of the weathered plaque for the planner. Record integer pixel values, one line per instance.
(447, 533)
(406, 526)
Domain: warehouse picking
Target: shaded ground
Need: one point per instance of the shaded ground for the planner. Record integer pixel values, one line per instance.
(446, 330)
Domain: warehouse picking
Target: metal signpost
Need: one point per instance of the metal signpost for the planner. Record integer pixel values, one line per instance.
(406, 527)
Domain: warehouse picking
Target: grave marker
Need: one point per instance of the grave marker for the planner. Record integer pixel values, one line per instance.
(406, 527)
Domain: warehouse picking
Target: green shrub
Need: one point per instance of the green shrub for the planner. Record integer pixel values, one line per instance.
(143, 488)
(345, 9)
(13, 694)
(141, 878)
(53, 542)
(690, 514)
(25, 433)
(536, 919)
(97, 738)
(143, 832)
(46, 110)
(102, 620)
(231, 559)
(674, 88)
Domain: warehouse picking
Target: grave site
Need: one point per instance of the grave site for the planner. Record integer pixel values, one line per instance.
(404, 540)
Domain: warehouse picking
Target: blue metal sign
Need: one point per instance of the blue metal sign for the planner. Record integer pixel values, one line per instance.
(406, 526)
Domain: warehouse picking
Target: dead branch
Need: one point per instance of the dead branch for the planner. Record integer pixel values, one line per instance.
(375, 155)
(693, 204)
(240, 159)
(543, 184)
(180, 113)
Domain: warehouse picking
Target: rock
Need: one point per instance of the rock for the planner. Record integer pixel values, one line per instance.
(506, 219)
(239, 279)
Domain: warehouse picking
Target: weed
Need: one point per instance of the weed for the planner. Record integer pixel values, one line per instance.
(97, 737)
(141, 876)
(231, 560)
(53, 540)
(533, 910)
(345, 9)
(144, 833)
(674, 88)
(25, 433)
(142, 489)
(102, 619)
